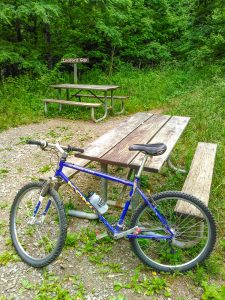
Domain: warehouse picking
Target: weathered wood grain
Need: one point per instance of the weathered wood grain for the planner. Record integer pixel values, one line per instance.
(84, 104)
(108, 140)
(169, 135)
(100, 96)
(198, 181)
(85, 87)
(103, 144)
(121, 155)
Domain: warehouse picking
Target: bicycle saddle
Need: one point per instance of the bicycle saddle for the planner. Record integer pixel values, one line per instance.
(151, 149)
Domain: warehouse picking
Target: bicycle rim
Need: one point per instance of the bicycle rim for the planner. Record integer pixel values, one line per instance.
(193, 227)
(36, 240)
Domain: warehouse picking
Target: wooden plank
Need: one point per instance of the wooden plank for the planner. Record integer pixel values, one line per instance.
(198, 181)
(168, 135)
(86, 104)
(100, 96)
(104, 143)
(85, 87)
(121, 155)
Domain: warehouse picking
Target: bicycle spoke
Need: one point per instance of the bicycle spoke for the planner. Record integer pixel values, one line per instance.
(191, 234)
(37, 238)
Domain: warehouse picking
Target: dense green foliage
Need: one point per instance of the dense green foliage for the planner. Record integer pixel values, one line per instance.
(167, 55)
(35, 35)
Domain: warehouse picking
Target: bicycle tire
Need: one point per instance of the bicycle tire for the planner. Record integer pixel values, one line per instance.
(158, 260)
(23, 244)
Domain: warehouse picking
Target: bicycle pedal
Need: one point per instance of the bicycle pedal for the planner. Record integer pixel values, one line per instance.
(137, 231)
(101, 235)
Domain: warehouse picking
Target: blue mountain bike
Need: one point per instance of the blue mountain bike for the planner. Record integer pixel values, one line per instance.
(161, 235)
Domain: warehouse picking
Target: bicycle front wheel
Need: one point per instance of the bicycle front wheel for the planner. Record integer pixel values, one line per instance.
(38, 240)
(193, 227)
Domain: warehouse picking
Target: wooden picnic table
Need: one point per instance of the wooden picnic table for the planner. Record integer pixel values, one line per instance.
(108, 94)
(142, 128)
(89, 87)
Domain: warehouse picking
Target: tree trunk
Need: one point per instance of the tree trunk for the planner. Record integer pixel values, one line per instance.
(47, 35)
(2, 74)
(35, 31)
(19, 37)
(112, 60)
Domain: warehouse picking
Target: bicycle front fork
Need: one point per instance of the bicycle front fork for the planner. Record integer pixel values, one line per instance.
(39, 204)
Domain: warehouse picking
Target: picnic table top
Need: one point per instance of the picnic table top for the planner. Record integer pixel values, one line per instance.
(141, 128)
(85, 87)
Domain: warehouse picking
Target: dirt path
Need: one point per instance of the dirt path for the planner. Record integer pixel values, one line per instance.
(84, 270)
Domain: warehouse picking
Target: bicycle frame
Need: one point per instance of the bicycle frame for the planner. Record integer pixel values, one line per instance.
(134, 187)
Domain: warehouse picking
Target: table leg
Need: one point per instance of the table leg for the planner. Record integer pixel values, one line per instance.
(104, 190)
(46, 108)
(171, 165)
(67, 94)
(59, 97)
(105, 107)
(122, 108)
(79, 213)
(112, 102)
(104, 183)
(105, 100)
(123, 191)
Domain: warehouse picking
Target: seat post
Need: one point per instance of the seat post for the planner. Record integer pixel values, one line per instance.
(142, 166)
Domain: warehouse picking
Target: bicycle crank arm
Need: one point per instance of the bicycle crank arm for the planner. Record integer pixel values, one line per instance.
(117, 235)
(122, 234)
(101, 235)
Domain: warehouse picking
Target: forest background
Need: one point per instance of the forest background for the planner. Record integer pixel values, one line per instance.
(165, 54)
(121, 37)
(35, 35)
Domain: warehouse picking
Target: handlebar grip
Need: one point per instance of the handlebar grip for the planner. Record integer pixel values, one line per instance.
(70, 148)
(31, 142)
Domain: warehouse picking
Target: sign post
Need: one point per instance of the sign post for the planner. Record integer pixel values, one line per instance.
(75, 61)
(75, 72)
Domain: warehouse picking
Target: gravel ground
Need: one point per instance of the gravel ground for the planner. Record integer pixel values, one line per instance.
(20, 164)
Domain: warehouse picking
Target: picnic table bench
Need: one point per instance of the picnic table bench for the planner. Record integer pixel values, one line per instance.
(92, 89)
(199, 178)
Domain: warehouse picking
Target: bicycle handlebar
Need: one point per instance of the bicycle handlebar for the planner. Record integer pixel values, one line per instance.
(71, 148)
(44, 144)
(31, 142)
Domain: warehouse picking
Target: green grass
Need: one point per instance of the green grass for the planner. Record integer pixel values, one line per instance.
(213, 292)
(197, 93)
(139, 284)
(52, 287)
(8, 256)
(45, 168)
(3, 172)
(148, 89)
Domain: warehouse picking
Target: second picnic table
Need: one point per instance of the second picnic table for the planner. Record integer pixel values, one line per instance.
(107, 96)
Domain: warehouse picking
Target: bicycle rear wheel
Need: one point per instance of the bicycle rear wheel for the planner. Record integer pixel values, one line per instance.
(39, 240)
(194, 232)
